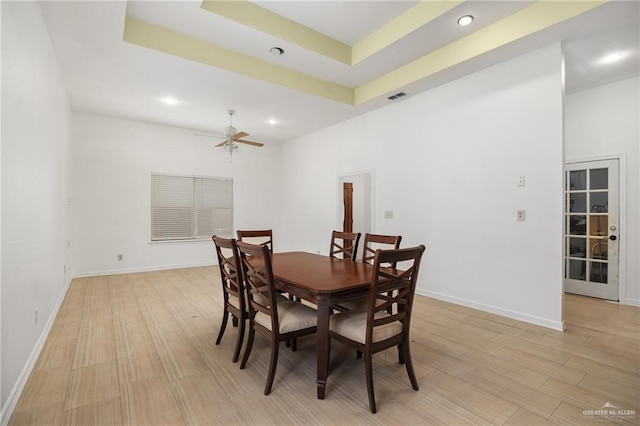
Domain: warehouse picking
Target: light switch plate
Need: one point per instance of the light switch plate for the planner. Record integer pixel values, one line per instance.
(388, 214)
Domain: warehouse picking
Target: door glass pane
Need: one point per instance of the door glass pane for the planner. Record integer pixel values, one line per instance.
(578, 247)
(598, 272)
(577, 269)
(577, 180)
(599, 225)
(599, 178)
(578, 203)
(577, 224)
(599, 202)
(598, 248)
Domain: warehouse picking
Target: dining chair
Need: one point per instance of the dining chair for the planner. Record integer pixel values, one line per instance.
(376, 329)
(232, 289)
(372, 242)
(260, 236)
(277, 320)
(256, 236)
(348, 249)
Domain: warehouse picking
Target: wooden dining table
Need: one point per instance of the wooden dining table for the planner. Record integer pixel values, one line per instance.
(324, 281)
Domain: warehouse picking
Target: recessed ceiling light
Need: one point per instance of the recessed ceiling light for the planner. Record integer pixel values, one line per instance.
(465, 20)
(168, 100)
(612, 57)
(276, 51)
(272, 121)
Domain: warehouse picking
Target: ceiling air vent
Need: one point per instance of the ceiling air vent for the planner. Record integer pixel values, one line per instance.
(396, 96)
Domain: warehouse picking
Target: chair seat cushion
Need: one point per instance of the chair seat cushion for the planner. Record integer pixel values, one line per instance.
(353, 325)
(361, 304)
(234, 301)
(355, 305)
(259, 297)
(292, 316)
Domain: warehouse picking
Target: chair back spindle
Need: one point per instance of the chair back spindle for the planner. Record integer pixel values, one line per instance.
(256, 236)
(259, 281)
(232, 288)
(372, 242)
(344, 245)
(392, 290)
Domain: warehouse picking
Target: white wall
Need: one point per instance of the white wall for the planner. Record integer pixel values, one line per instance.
(447, 163)
(604, 122)
(36, 168)
(112, 164)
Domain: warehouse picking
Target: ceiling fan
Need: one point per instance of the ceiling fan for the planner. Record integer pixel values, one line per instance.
(233, 137)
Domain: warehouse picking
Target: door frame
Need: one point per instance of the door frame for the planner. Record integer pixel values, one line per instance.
(622, 216)
(369, 209)
(347, 225)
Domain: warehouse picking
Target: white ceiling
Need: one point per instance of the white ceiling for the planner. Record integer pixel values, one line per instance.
(104, 74)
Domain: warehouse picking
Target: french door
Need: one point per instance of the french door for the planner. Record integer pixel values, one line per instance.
(591, 229)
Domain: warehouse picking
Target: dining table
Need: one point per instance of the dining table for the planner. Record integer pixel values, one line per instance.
(324, 281)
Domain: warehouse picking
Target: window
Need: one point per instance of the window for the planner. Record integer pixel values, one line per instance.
(188, 207)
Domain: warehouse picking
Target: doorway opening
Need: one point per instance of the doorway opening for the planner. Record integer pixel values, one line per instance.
(355, 203)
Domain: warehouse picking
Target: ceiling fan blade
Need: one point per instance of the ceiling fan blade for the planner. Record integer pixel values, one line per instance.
(239, 135)
(221, 143)
(249, 142)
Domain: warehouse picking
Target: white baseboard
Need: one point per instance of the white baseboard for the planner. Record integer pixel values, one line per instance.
(14, 395)
(554, 325)
(140, 269)
(632, 302)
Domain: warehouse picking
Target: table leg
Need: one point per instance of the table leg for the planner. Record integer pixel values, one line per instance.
(322, 344)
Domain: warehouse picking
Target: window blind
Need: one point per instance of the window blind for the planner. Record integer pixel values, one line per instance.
(187, 207)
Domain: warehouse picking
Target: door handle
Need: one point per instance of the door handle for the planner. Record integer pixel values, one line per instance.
(613, 237)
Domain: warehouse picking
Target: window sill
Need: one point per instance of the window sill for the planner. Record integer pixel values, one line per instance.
(200, 240)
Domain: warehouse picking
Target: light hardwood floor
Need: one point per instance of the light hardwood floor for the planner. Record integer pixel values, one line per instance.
(139, 349)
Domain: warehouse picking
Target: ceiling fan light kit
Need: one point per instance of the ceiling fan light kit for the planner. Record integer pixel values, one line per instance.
(230, 148)
(233, 137)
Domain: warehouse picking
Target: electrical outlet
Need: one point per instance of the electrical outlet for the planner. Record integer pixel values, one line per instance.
(521, 181)
(520, 215)
(120, 257)
(388, 214)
